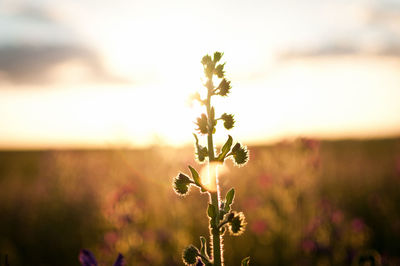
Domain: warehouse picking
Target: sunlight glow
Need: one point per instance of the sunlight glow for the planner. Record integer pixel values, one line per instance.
(209, 175)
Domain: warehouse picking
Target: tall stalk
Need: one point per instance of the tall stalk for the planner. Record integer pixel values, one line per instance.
(214, 196)
(221, 217)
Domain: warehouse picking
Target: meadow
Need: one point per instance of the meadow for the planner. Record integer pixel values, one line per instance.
(307, 202)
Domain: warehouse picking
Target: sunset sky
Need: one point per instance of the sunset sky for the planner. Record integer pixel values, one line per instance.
(96, 73)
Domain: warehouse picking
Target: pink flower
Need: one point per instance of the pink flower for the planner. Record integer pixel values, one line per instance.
(265, 180)
(111, 238)
(357, 225)
(259, 226)
(308, 245)
(337, 217)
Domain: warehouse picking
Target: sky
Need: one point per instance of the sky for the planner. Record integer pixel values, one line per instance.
(97, 73)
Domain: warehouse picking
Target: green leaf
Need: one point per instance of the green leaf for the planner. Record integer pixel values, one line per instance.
(195, 175)
(211, 211)
(201, 151)
(229, 199)
(203, 249)
(245, 262)
(225, 149)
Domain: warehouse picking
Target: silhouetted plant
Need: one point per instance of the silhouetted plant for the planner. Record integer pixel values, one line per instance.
(221, 216)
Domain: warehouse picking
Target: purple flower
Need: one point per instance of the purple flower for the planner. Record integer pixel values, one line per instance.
(120, 260)
(87, 258)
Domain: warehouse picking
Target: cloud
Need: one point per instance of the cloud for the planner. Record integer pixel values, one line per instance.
(36, 13)
(35, 64)
(37, 48)
(378, 34)
(343, 49)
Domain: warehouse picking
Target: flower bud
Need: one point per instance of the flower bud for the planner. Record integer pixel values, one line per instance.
(190, 254)
(240, 154)
(206, 60)
(230, 217)
(224, 87)
(202, 124)
(219, 71)
(237, 224)
(181, 184)
(217, 56)
(228, 120)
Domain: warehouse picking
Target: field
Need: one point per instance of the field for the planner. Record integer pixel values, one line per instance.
(306, 202)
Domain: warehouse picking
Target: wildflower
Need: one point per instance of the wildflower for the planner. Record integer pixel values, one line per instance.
(87, 258)
(237, 223)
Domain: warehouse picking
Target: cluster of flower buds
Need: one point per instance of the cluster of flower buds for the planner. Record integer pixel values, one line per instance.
(211, 67)
(232, 220)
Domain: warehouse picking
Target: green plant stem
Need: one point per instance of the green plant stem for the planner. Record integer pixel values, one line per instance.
(214, 196)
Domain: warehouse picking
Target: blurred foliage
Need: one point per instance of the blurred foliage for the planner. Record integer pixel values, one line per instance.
(306, 202)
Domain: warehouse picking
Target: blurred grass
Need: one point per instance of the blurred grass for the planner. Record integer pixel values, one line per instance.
(306, 203)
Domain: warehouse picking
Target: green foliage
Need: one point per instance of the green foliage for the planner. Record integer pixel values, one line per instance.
(245, 262)
(196, 177)
(203, 249)
(229, 200)
(211, 212)
(225, 149)
(201, 151)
